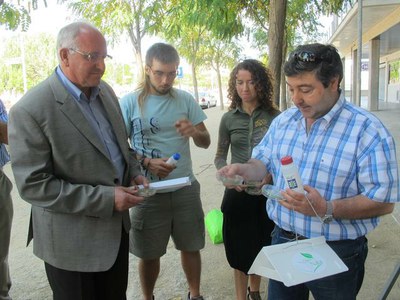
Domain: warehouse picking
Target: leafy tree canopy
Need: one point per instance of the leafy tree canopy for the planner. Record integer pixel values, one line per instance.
(12, 16)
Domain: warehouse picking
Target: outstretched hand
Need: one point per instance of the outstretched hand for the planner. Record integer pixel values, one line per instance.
(185, 128)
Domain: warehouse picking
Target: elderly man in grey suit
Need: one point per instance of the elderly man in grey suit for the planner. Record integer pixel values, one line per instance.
(72, 163)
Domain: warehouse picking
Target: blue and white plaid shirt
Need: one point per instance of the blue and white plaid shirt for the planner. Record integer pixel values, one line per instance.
(347, 152)
(4, 157)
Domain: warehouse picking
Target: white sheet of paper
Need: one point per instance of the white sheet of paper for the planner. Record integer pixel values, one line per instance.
(297, 262)
(166, 184)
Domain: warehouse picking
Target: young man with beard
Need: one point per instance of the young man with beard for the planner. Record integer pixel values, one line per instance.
(160, 121)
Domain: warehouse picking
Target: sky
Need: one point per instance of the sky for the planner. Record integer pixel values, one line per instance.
(50, 19)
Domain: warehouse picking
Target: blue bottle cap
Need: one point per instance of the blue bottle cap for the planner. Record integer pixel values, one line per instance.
(176, 156)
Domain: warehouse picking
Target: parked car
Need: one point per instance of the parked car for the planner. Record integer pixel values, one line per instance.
(207, 100)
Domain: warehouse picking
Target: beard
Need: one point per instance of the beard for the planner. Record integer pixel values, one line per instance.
(163, 90)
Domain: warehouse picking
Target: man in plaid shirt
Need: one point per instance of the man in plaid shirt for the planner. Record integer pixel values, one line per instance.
(347, 163)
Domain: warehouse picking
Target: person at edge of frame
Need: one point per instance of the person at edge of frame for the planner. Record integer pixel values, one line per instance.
(6, 208)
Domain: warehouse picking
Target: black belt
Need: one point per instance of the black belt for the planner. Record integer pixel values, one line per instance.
(292, 235)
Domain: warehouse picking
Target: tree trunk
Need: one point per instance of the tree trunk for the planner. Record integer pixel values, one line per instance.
(136, 43)
(138, 50)
(277, 17)
(221, 97)
(195, 88)
(283, 99)
(139, 66)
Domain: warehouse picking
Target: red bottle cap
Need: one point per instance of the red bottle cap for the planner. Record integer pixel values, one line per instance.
(286, 160)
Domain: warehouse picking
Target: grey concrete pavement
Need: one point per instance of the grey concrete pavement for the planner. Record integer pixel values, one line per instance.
(29, 279)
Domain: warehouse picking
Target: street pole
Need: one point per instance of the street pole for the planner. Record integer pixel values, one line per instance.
(359, 52)
(22, 46)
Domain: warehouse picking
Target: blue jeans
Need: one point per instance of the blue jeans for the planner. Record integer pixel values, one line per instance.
(344, 286)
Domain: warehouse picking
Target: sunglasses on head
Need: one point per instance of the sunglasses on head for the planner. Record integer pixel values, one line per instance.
(305, 56)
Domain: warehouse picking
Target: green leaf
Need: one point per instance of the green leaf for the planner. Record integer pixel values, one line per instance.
(307, 255)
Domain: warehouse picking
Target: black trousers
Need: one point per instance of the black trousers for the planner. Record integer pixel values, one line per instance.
(107, 285)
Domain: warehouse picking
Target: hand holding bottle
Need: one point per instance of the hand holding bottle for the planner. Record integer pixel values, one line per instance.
(162, 167)
(173, 160)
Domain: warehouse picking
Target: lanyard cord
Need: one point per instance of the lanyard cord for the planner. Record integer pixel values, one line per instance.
(293, 216)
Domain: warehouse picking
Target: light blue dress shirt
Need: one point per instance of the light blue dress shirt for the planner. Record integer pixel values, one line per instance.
(96, 115)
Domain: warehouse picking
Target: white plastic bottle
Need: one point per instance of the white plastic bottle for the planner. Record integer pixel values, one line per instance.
(173, 159)
(291, 174)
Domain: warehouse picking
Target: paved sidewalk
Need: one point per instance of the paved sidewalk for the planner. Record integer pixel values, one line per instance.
(29, 280)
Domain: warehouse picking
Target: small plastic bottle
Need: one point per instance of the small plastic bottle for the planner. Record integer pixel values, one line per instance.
(291, 174)
(173, 159)
(271, 192)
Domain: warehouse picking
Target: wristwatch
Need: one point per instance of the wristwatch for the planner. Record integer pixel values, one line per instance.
(329, 213)
(141, 161)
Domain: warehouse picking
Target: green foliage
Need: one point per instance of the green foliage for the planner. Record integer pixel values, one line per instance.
(205, 32)
(40, 60)
(331, 6)
(119, 74)
(394, 72)
(301, 19)
(220, 17)
(13, 17)
(257, 11)
(217, 53)
(202, 31)
(133, 17)
(10, 67)
(136, 18)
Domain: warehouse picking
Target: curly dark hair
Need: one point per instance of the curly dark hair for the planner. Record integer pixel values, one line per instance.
(263, 82)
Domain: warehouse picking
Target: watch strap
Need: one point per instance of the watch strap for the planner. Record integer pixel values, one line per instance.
(329, 213)
(329, 209)
(141, 161)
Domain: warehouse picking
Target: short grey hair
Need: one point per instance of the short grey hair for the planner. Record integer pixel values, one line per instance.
(67, 35)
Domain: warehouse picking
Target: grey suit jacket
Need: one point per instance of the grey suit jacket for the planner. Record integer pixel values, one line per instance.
(62, 169)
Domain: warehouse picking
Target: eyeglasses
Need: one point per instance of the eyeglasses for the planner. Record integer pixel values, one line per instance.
(160, 75)
(306, 56)
(91, 57)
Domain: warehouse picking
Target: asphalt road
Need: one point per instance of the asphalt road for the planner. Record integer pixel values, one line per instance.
(29, 279)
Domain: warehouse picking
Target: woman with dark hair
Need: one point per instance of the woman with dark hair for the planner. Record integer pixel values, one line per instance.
(246, 226)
